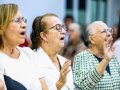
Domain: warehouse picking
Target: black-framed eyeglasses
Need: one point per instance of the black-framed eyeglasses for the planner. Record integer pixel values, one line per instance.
(58, 27)
(19, 20)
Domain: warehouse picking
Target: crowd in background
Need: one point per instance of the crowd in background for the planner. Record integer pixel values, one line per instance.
(58, 56)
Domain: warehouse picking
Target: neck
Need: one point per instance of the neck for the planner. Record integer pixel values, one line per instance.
(96, 51)
(8, 49)
(50, 51)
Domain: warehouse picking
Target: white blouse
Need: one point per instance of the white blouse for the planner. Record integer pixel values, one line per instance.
(21, 73)
(51, 73)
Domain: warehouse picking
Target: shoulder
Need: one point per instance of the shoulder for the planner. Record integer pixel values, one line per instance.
(83, 54)
(117, 43)
(82, 59)
(29, 53)
(26, 50)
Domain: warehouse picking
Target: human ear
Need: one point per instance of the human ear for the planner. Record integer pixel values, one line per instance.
(44, 36)
(91, 39)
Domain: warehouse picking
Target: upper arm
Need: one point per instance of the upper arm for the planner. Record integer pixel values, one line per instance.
(43, 84)
(2, 83)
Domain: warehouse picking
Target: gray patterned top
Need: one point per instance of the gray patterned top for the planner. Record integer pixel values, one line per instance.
(86, 77)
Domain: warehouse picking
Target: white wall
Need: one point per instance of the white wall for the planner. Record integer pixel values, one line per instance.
(32, 8)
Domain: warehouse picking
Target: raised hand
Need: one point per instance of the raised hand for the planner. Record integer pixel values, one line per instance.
(63, 73)
(108, 49)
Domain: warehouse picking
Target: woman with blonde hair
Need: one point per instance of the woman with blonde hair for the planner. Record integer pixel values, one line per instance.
(17, 65)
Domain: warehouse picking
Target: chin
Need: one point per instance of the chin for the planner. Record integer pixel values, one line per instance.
(21, 42)
(62, 45)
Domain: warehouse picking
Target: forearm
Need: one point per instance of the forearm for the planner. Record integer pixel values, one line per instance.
(102, 66)
(1, 85)
(59, 85)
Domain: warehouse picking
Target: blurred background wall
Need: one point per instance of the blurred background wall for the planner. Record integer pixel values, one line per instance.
(83, 11)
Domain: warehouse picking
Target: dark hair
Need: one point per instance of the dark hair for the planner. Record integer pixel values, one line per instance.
(35, 37)
(39, 25)
(68, 17)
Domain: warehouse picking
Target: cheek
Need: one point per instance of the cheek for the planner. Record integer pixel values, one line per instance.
(12, 32)
(77, 35)
(13, 29)
(74, 35)
(98, 40)
(52, 37)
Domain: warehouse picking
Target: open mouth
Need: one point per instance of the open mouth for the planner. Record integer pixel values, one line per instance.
(22, 33)
(62, 38)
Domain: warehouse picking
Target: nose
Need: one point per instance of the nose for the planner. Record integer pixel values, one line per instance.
(63, 31)
(109, 35)
(23, 24)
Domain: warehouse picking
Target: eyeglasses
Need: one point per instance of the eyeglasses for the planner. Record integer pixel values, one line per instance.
(19, 20)
(59, 27)
(110, 30)
(105, 31)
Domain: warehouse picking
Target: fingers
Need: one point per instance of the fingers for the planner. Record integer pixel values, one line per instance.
(107, 44)
(66, 65)
(65, 69)
(66, 72)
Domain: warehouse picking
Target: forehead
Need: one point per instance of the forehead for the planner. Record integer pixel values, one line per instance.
(52, 20)
(18, 14)
(72, 26)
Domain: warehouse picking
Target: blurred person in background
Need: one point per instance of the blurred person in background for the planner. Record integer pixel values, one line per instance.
(115, 32)
(96, 68)
(75, 44)
(117, 42)
(67, 20)
(47, 39)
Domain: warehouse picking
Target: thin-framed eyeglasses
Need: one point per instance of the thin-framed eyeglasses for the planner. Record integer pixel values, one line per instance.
(58, 27)
(19, 20)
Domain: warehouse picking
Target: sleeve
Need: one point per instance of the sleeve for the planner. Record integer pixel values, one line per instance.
(2, 76)
(84, 77)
